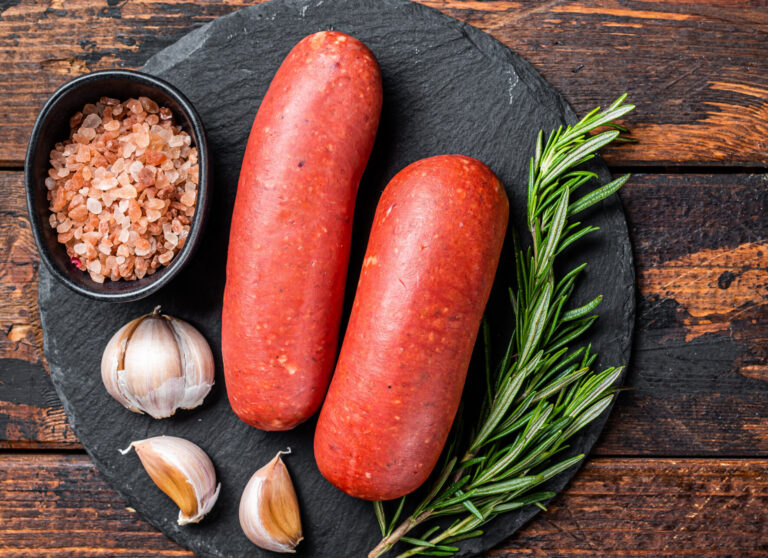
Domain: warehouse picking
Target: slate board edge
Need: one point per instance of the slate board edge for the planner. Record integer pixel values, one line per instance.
(494, 50)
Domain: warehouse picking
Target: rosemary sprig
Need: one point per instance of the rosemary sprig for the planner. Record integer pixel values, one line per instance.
(541, 393)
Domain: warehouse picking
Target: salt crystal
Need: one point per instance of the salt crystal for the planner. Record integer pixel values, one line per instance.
(154, 203)
(118, 166)
(83, 154)
(172, 238)
(96, 277)
(83, 191)
(80, 248)
(153, 215)
(148, 104)
(87, 133)
(128, 148)
(134, 169)
(52, 220)
(62, 172)
(147, 176)
(142, 138)
(112, 126)
(107, 198)
(135, 106)
(106, 183)
(126, 192)
(64, 227)
(188, 198)
(94, 206)
(91, 121)
(120, 260)
(94, 266)
(124, 235)
(176, 141)
(79, 213)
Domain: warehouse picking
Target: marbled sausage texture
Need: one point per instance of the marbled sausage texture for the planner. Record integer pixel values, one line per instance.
(291, 228)
(427, 274)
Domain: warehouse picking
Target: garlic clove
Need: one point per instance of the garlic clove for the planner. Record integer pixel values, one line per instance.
(198, 359)
(269, 509)
(157, 364)
(152, 376)
(183, 471)
(112, 361)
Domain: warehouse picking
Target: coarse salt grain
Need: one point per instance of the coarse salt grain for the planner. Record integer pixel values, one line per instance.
(94, 206)
(116, 213)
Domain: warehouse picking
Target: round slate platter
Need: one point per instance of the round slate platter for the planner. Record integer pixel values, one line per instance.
(448, 88)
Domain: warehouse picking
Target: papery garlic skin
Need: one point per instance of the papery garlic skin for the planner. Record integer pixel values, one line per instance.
(269, 509)
(157, 364)
(183, 471)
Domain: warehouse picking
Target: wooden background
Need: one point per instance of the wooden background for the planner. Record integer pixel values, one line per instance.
(682, 468)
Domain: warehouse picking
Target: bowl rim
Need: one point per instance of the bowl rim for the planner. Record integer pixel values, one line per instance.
(203, 195)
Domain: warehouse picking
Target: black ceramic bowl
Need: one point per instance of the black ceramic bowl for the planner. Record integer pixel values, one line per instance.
(52, 126)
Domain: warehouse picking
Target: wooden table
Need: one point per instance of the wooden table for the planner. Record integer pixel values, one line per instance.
(682, 468)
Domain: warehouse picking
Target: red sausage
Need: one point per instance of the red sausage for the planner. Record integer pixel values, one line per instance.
(427, 274)
(291, 229)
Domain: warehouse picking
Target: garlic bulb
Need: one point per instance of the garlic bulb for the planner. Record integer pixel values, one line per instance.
(183, 471)
(269, 509)
(156, 364)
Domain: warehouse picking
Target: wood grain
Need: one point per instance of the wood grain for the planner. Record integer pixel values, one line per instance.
(698, 71)
(699, 374)
(59, 506)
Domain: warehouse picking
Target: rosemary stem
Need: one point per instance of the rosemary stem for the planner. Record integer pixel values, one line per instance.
(390, 540)
(437, 538)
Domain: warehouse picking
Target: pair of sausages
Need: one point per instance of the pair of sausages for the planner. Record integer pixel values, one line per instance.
(430, 262)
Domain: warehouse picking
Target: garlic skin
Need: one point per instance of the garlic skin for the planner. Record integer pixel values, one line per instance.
(269, 509)
(157, 364)
(183, 471)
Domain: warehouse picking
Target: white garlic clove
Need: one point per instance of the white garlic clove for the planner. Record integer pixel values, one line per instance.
(269, 509)
(111, 362)
(183, 471)
(198, 360)
(157, 364)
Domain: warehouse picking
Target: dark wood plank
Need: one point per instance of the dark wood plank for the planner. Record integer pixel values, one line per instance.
(649, 507)
(30, 411)
(700, 368)
(58, 506)
(698, 71)
(699, 373)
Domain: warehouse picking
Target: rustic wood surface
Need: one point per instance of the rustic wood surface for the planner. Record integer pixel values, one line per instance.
(697, 70)
(683, 463)
(59, 506)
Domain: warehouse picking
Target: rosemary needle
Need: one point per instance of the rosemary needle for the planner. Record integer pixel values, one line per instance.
(542, 392)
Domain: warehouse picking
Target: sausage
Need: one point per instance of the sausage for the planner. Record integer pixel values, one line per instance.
(291, 228)
(427, 274)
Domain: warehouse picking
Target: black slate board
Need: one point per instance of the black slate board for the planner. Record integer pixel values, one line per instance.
(448, 88)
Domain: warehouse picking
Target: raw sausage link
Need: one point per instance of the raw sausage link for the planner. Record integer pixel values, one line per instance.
(427, 274)
(291, 228)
